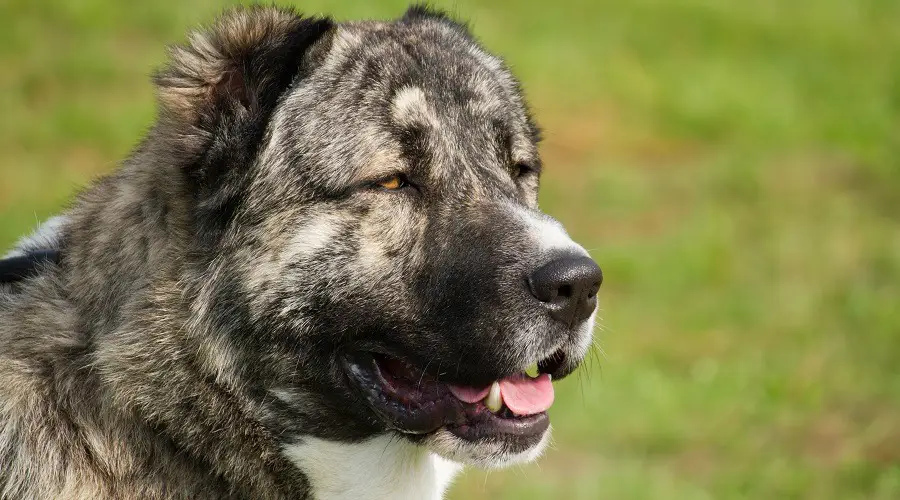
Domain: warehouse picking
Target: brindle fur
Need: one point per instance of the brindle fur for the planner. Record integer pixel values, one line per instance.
(192, 327)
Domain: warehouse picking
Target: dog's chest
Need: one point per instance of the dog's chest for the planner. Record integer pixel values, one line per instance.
(384, 467)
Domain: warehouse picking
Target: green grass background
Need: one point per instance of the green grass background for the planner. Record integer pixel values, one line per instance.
(734, 167)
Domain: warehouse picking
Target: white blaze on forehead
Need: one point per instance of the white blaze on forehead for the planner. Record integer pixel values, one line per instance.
(410, 105)
(548, 233)
(381, 468)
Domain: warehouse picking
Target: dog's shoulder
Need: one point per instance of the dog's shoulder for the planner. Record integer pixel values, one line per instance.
(59, 435)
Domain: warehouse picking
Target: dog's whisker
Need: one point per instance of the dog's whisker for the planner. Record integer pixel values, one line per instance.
(419, 383)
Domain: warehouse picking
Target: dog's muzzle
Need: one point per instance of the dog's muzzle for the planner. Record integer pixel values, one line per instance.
(567, 287)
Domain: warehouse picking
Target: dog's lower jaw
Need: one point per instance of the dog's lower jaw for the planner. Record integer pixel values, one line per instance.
(483, 455)
(385, 467)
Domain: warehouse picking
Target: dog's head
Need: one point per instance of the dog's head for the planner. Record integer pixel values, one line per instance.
(375, 261)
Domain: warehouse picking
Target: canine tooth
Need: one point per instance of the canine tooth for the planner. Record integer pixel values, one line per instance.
(493, 401)
(532, 371)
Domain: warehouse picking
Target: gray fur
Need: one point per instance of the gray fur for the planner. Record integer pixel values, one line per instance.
(189, 333)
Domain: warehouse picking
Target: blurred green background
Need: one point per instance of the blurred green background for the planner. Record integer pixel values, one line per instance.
(732, 165)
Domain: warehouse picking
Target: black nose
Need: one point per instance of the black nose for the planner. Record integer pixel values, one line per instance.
(568, 287)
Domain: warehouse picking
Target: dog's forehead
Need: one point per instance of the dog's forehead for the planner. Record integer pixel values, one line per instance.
(374, 84)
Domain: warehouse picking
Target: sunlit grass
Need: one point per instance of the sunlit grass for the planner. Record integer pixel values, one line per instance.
(731, 165)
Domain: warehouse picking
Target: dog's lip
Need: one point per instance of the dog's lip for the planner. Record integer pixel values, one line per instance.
(429, 405)
(554, 362)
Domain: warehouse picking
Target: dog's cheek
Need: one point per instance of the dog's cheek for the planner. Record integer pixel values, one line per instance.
(337, 276)
(388, 251)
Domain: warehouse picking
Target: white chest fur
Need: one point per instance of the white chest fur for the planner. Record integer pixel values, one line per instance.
(382, 468)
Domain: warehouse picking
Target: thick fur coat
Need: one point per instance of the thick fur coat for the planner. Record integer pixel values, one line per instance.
(310, 190)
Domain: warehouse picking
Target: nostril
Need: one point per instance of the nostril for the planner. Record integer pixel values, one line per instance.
(567, 286)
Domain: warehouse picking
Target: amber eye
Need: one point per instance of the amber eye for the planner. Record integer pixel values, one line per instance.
(393, 182)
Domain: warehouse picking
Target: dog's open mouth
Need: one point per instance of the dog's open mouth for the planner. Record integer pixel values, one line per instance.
(412, 401)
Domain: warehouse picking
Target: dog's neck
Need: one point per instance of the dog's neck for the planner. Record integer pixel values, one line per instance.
(381, 468)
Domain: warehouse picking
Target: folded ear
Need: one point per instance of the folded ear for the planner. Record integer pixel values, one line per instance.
(216, 97)
(231, 74)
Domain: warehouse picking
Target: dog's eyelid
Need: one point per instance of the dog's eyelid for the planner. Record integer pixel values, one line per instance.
(523, 168)
(397, 181)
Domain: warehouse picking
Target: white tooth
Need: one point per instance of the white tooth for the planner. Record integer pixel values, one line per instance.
(532, 371)
(493, 400)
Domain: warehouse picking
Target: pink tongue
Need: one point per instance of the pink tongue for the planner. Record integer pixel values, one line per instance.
(522, 395)
(469, 394)
(527, 396)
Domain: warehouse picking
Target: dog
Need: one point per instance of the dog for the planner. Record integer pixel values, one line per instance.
(322, 274)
